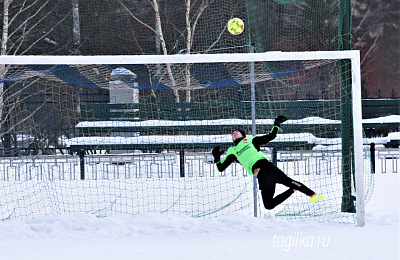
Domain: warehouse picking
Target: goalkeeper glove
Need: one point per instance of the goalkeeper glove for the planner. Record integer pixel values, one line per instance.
(279, 120)
(217, 154)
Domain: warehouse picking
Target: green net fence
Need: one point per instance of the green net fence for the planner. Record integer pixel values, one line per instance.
(117, 27)
(297, 25)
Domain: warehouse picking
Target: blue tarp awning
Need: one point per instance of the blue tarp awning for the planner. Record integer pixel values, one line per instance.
(207, 75)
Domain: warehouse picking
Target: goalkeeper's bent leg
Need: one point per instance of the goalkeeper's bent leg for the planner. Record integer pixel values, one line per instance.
(270, 202)
(300, 187)
(282, 178)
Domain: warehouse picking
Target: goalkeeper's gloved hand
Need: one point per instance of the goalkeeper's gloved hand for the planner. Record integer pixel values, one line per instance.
(279, 120)
(217, 154)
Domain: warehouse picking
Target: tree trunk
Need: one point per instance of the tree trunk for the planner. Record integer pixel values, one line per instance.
(3, 51)
(164, 48)
(76, 28)
(188, 48)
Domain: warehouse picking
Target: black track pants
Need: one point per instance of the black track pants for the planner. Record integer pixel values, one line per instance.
(268, 176)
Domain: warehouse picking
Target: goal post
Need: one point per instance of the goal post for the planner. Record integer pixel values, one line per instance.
(154, 115)
(358, 141)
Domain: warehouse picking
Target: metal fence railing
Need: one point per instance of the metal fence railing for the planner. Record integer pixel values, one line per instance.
(387, 160)
(116, 166)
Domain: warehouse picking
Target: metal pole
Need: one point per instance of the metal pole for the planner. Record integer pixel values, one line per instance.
(253, 125)
(82, 163)
(346, 108)
(182, 162)
(275, 155)
(372, 151)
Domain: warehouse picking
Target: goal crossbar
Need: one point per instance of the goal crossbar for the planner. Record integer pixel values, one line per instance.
(185, 58)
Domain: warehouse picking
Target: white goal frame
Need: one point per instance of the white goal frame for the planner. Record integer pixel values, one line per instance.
(352, 55)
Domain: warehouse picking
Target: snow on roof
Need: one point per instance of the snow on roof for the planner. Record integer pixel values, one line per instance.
(393, 136)
(308, 120)
(122, 71)
(180, 139)
(293, 137)
(383, 119)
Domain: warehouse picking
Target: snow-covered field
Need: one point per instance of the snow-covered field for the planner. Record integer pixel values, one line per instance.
(234, 236)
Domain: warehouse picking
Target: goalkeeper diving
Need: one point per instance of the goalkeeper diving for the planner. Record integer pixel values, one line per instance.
(247, 152)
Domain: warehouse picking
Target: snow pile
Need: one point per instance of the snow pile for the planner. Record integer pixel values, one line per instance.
(235, 236)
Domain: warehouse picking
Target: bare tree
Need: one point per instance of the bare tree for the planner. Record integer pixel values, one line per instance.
(157, 30)
(3, 51)
(375, 27)
(193, 12)
(28, 29)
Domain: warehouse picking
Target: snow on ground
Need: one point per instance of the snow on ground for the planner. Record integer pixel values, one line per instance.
(235, 236)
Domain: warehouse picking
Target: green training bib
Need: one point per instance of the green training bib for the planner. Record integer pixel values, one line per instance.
(246, 153)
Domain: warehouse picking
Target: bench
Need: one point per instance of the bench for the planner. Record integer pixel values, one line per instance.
(373, 108)
(215, 110)
(202, 119)
(380, 116)
(93, 114)
(205, 118)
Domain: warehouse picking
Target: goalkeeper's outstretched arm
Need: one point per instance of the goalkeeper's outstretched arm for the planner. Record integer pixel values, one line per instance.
(264, 139)
(224, 163)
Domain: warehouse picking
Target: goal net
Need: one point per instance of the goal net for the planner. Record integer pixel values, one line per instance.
(111, 135)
